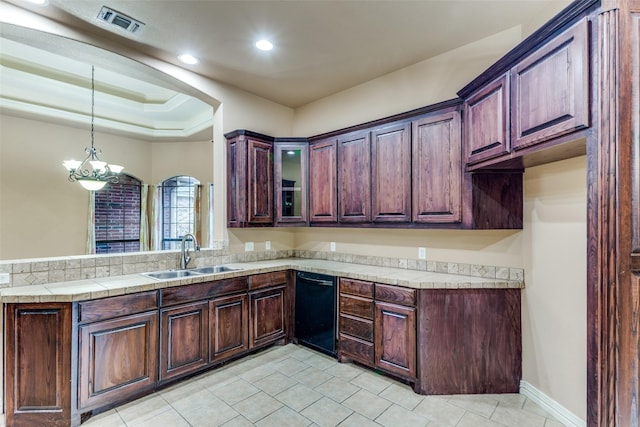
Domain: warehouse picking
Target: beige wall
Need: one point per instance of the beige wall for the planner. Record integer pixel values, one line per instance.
(41, 213)
(554, 318)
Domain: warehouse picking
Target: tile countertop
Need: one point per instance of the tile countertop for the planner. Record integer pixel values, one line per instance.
(80, 290)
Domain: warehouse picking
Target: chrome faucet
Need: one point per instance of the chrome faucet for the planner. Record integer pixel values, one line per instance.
(184, 254)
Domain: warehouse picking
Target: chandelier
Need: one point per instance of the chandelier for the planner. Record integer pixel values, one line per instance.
(92, 173)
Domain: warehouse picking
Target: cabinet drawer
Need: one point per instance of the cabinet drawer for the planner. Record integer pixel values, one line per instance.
(356, 327)
(356, 287)
(356, 348)
(202, 291)
(356, 306)
(110, 308)
(396, 294)
(267, 280)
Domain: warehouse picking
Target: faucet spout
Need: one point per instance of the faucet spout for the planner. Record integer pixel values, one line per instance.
(184, 251)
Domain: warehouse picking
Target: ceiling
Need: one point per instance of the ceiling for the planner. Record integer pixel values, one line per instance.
(321, 46)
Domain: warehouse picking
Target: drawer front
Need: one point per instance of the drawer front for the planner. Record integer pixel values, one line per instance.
(356, 306)
(356, 287)
(356, 349)
(356, 327)
(267, 280)
(396, 295)
(202, 291)
(110, 308)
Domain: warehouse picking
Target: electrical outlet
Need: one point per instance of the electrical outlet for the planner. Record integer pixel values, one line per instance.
(4, 278)
(248, 247)
(422, 253)
(333, 246)
(267, 245)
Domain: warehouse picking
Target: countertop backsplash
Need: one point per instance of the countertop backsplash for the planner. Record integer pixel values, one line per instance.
(37, 271)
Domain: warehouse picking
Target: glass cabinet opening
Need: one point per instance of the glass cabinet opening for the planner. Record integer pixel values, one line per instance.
(291, 182)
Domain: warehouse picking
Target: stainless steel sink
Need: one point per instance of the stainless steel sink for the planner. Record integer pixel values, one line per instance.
(214, 269)
(176, 274)
(171, 274)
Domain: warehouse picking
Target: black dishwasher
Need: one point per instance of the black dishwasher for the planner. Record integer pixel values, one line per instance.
(316, 311)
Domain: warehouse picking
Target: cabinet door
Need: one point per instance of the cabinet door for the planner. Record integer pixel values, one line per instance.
(487, 128)
(437, 169)
(267, 316)
(38, 364)
(184, 333)
(260, 182)
(395, 339)
(291, 190)
(391, 173)
(354, 178)
(236, 182)
(229, 328)
(323, 178)
(550, 89)
(118, 359)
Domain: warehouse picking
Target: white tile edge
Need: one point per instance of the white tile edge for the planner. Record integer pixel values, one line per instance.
(554, 408)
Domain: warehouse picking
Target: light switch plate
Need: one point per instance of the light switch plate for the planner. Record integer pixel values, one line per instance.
(422, 253)
(267, 245)
(4, 278)
(248, 247)
(333, 246)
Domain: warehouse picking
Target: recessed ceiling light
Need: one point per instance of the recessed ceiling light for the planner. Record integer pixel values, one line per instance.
(39, 2)
(264, 44)
(187, 58)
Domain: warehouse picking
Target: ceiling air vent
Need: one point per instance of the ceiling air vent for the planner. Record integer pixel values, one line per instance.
(121, 20)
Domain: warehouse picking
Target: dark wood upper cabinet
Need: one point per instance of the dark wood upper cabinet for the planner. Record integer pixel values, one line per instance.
(323, 181)
(249, 179)
(260, 182)
(437, 169)
(391, 173)
(291, 182)
(354, 177)
(487, 128)
(550, 89)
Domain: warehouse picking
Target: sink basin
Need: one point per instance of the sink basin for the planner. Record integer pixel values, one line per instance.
(172, 274)
(176, 274)
(214, 269)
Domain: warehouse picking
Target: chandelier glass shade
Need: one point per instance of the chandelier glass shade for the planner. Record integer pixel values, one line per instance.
(92, 173)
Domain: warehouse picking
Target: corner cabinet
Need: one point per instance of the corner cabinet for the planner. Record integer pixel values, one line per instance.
(249, 179)
(291, 171)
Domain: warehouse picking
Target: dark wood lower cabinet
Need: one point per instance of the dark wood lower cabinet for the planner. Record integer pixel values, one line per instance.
(117, 359)
(229, 326)
(444, 341)
(267, 316)
(395, 339)
(184, 339)
(38, 374)
(470, 341)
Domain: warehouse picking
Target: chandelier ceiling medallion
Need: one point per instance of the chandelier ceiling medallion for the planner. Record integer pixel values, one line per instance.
(92, 173)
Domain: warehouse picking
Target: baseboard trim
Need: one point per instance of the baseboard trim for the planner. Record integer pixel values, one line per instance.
(561, 413)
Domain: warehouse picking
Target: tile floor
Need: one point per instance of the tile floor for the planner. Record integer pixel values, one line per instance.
(294, 386)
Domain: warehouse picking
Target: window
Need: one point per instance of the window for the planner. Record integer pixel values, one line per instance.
(117, 216)
(178, 209)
